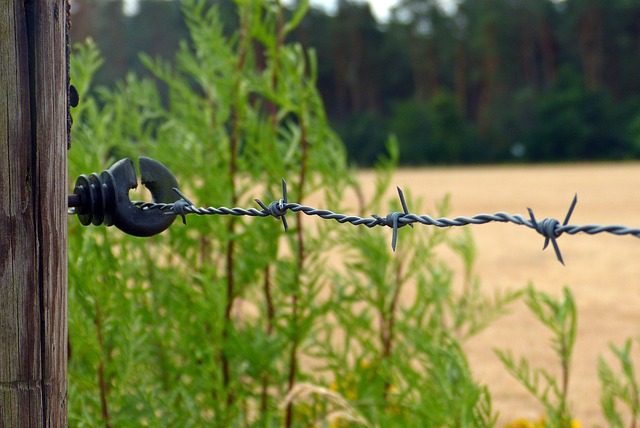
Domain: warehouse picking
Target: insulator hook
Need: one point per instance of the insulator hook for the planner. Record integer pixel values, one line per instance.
(104, 198)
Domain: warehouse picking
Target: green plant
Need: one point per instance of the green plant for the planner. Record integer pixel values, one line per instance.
(620, 388)
(228, 322)
(560, 317)
(434, 131)
(398, 322)
(575, 122)
(233, 112)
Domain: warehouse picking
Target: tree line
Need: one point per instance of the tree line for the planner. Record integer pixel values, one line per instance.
(491, 81)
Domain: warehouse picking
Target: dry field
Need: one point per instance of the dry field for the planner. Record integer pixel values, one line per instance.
(603, 271)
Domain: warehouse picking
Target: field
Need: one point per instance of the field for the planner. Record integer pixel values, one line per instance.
(603, 271)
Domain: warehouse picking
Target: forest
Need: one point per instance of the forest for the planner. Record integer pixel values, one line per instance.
(493, 81)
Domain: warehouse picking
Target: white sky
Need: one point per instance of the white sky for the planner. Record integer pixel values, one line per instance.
(380, 8)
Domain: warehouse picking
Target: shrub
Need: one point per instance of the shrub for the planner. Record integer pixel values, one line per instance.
(576, 123)
(433, 132)
(226, 322)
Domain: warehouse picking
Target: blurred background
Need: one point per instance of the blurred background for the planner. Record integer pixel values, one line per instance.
(457, 82)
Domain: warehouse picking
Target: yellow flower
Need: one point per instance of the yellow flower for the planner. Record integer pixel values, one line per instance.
(539, 423)
(521, 423)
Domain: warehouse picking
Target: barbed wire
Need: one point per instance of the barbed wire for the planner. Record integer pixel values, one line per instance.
(549, 228)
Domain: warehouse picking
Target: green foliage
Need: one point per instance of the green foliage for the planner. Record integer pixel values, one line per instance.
(620, 387)
(227, 322)
(634, 136)
(574, 122)
(406, 363)
(560, 317)
(410, 123)
(195, 327)
(365, 136)
(433, 132)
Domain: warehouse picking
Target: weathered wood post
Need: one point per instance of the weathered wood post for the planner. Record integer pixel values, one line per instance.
(33, 221)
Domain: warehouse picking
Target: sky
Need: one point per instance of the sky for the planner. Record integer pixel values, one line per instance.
(380, 8)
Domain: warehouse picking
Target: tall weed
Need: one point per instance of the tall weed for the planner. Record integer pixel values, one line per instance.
(228, 322)
(560, 317)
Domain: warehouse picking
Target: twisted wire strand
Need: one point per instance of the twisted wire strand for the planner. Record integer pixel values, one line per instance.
(370, 222)
(549, 228)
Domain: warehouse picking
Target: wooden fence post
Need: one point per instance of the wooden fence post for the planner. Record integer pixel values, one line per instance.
(33, 220)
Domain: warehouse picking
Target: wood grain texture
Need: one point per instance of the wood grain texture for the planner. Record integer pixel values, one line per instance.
(33, 224)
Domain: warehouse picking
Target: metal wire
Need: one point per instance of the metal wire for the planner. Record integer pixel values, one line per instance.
(549, 228)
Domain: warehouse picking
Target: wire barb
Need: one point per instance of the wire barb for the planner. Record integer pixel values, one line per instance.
(550, 228)
(277, 209)
(393, 219)
(180, 206)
